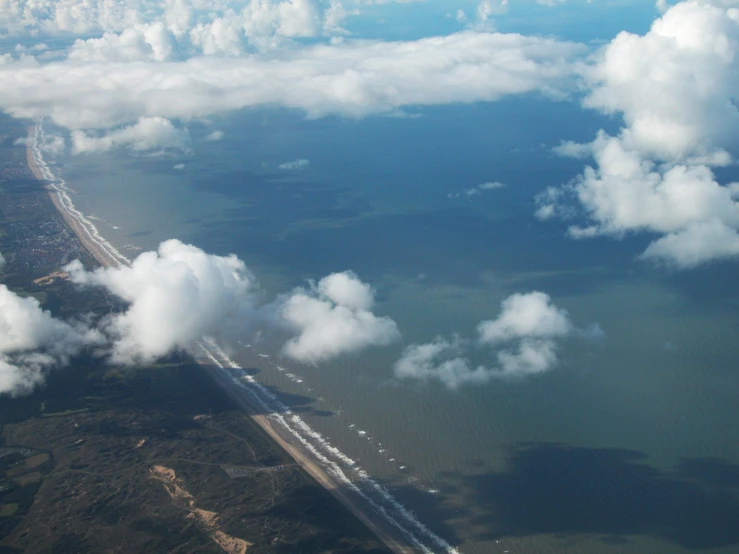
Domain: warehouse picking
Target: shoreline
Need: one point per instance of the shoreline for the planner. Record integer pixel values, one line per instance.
(395, 539)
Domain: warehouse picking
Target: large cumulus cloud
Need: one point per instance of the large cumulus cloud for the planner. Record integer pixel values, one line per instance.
(674, 88)
(696, 216)
(176, 295)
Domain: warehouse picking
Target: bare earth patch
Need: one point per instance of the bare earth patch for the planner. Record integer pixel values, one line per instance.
(173, 486)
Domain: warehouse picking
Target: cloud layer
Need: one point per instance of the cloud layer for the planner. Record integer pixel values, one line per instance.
(523, 338)
(354, 78)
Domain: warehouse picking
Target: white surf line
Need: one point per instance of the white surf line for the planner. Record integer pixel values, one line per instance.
(59, 187)
(298, 379)
(303, 430)
(294, 378)
(328, 465)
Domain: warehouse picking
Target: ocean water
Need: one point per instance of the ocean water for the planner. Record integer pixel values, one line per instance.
(630, 445)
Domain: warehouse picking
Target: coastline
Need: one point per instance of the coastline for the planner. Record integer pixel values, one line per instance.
(398, 539)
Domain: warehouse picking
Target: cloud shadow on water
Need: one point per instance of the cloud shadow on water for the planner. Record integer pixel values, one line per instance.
(564, 490)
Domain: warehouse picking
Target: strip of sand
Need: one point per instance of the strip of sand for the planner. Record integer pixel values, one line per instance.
(388, 534)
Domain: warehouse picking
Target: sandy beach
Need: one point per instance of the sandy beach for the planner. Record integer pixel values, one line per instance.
(391, 536)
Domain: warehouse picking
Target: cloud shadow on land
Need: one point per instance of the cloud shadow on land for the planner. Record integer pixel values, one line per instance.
(564, 490)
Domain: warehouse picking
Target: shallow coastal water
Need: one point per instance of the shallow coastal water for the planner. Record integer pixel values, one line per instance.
(629, 446)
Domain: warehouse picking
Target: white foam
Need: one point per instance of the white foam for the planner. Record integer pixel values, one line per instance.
(392, 511)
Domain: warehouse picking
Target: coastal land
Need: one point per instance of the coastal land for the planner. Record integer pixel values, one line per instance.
(151, 459)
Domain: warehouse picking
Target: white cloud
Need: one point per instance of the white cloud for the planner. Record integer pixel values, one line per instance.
(334, 317)
(53, 144)
(295, 165)
(180, 293)
(147, 134)
(570, 149)
(354, 78)
(696, 244)
(477, 189)
(150, 42)
(176, 295)
(523, 337)
(214, 136)
(530, 315)
(484, 12)
(624, 193)
(2, 261)
(33, 342)
(675, 85)
(134, 29)
(440, 360)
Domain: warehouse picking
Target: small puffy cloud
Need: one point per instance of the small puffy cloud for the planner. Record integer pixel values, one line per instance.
(531, 315)
(214, 136)
(441, 360)
(334, 317)
(624, 193)
(484, 12)
(178, 167)
(152, 42)
(523, 338)
(570, 149)
(176, 295)
(295, 165)
(148, 133)
(32, 342)
(477, 189)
